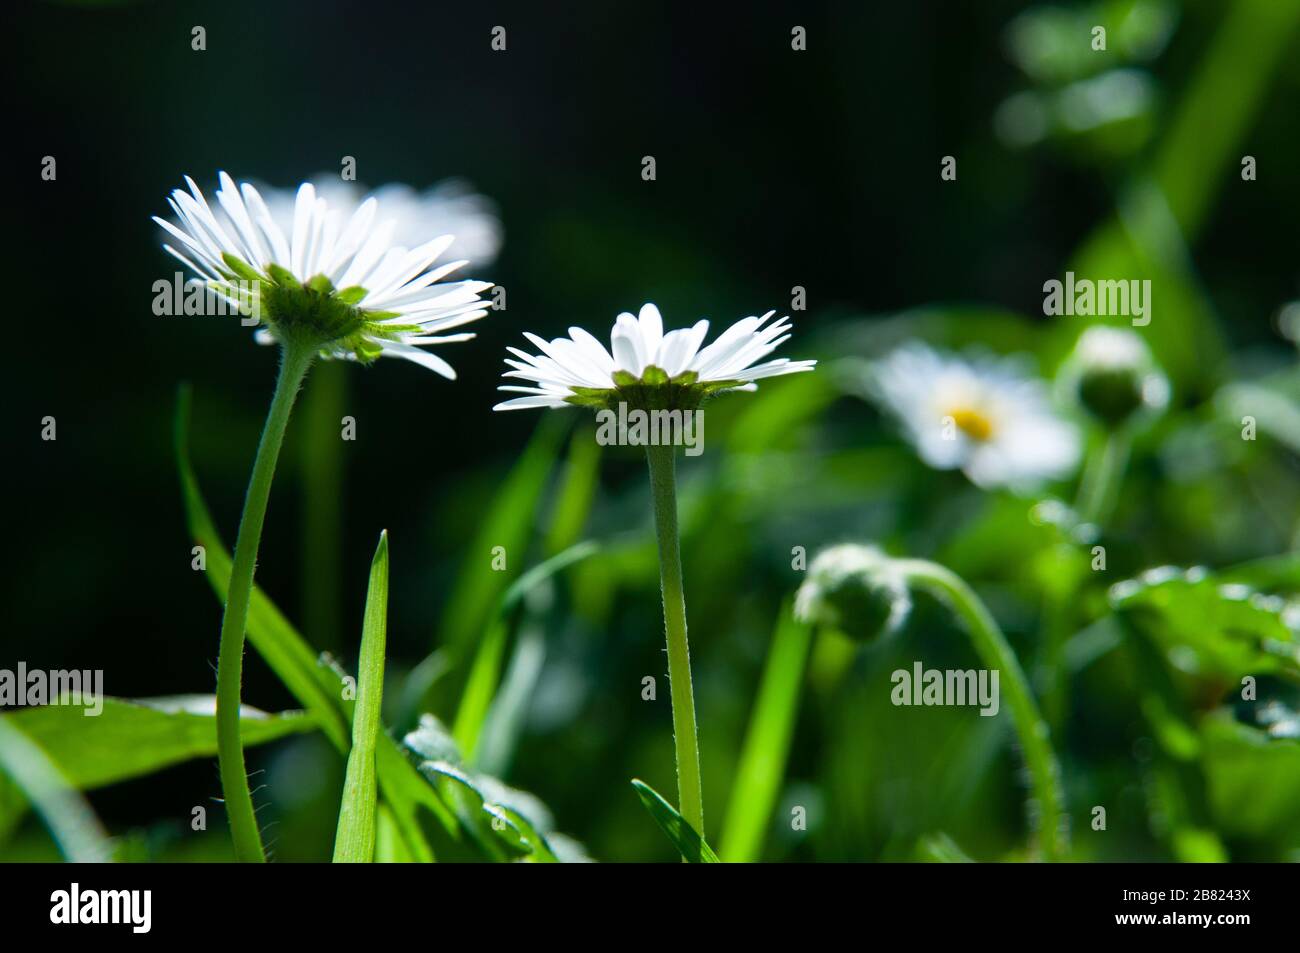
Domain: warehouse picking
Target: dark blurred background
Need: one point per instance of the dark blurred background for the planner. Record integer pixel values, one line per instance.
(775, 168)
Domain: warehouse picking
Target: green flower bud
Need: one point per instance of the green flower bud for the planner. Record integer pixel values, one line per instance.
(1113, 376)
(855, 590)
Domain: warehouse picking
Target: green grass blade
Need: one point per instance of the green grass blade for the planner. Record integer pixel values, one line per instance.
(485, 671)
(508, 523)
(767, 742)
(693, 848)
(65, 812)
(355, 840)
(576, 492)
(939, 848)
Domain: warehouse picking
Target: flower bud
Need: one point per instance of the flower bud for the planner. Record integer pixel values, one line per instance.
(855, 590)
(1114, 377)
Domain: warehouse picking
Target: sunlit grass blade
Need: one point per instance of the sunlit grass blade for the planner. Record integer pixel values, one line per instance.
(69, 818)
(355, 840)
(508, 524)
(693, 848)
(485, 671)
(576, 491)
(939, 848)
(767, 742)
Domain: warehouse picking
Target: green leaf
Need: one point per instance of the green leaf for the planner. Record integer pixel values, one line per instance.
(767, 742)
(518, 822)
(132, 738)
(685, 838)
(1253, 779)
(65, 812)
(1208, 628)
(500, 823)
(354, 842)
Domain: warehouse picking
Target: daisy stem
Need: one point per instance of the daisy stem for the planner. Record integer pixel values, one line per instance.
(997, 654)
(295, 360)
(663, 487)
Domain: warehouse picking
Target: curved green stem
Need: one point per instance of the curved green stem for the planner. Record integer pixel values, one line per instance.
(995, 653)
(663, 486)
(295, 361)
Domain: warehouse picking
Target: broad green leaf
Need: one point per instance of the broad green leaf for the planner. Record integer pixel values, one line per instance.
(1272, 574)
(1253, 779)
(767, 742)
(65, 812)
(354, 842)
(317, 686)
(519, 821)
(693, 848)
(1208, 628)
(131, 738)
(509, 833)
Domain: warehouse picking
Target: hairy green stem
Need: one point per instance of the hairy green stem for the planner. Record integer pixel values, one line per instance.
(995, 653)
(663, 486)
(295, 360)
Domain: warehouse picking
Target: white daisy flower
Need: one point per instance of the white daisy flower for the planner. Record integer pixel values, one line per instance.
(646, 367)
(332, 278)
(982, 415)
(448, 208)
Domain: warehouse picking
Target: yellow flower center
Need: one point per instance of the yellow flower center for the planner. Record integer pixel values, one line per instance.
(972, 423)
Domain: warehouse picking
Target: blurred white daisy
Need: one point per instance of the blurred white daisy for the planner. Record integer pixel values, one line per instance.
(330, 278)
(448, 208)
(983, 415)
(646, 367)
